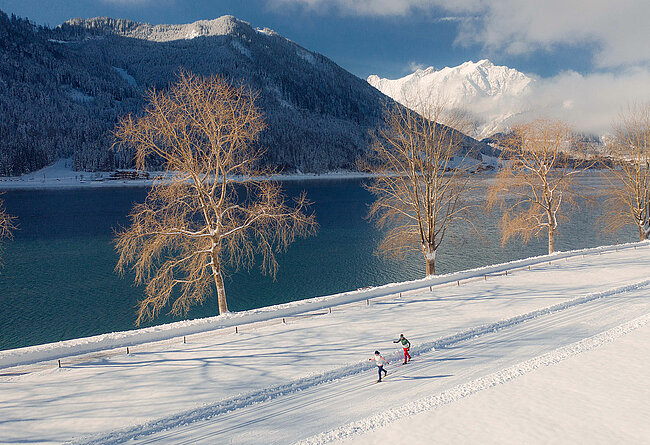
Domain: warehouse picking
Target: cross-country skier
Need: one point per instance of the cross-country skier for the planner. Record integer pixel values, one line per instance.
(406, 345)
(380, 362)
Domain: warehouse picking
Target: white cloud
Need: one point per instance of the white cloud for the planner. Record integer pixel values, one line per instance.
(618, 29)
(361, 7)
(413, 66)
(589, 102)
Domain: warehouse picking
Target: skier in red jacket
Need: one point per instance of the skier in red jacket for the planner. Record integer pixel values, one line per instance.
(406, 345)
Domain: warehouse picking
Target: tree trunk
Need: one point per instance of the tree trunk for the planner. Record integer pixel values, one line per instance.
(551, 239)
(430, 260)
(645, 229)
(221, 290)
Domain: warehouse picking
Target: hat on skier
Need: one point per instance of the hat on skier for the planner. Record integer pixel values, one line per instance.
(376, 352)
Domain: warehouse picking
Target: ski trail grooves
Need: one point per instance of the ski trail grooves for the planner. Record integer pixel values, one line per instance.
(480, 384)
(274, 398)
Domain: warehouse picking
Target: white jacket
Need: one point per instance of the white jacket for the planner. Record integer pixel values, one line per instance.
(379, 360)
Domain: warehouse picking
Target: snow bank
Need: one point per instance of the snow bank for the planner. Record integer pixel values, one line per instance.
(58, 350)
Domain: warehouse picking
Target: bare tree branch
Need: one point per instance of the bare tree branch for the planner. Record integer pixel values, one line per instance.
(7, 223)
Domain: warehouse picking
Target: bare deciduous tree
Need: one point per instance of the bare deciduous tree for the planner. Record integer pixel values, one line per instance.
(628, 202)
(535, 186)
(420, 180)
(6, 223)
(211, 209)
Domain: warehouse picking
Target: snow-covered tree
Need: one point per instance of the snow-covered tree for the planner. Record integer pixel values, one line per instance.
(629, 197)
(420, 180)
(535, 185)
(210, 211)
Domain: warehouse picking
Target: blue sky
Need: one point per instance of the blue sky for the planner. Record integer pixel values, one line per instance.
(385, 37)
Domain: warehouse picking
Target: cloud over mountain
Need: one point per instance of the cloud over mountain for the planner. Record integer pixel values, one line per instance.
(616, 32)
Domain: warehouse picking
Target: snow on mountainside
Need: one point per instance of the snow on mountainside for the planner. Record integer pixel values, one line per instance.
(493, 94)
(159, 33)
(62, 90)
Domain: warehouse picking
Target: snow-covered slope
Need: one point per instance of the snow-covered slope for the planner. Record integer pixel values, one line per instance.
(492, 93)
(594, 391)
(307, 377)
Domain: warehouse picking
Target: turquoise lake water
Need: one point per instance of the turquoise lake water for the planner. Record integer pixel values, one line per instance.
(57, 281)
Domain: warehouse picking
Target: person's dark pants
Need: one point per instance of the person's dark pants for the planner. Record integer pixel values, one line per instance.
(380, 369)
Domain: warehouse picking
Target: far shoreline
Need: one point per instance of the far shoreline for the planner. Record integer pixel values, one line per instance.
(12, 183)
(59, 176)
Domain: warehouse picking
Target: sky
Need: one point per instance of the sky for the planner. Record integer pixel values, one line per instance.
(595, 51)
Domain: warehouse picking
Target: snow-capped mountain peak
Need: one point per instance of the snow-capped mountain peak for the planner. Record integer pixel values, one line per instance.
(491, 92)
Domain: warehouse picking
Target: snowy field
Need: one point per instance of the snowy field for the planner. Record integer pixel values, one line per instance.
(553, 352)
(600, 396)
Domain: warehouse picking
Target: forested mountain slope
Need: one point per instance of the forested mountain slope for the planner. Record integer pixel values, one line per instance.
(62, 90)
(55, 101)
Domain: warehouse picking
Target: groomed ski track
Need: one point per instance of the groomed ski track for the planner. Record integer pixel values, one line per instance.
(323, 408)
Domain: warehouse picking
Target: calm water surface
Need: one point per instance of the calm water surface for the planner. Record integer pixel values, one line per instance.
(58, 282)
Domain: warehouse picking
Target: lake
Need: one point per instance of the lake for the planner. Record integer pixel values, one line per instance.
(57, 281)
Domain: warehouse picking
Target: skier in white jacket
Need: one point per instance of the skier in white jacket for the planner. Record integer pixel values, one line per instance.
(380, 362)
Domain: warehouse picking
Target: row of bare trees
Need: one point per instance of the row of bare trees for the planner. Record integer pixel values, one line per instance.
(422, 179)
(542, 160)
(218, 205)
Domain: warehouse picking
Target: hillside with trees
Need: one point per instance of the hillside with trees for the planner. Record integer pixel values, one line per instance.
(63, 89)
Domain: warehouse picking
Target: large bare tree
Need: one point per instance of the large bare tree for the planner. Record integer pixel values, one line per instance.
(628, 202)
(535, 185)
(421, 180)
(215, 206)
